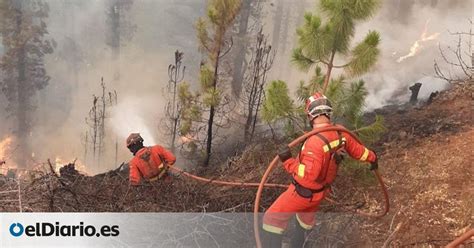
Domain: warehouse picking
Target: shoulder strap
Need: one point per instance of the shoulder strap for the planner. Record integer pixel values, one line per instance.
(324, 167)
(326, 141)
(341, 144)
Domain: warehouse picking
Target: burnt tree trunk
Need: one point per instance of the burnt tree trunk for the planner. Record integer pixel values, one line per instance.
(415, 89)
(212, 111)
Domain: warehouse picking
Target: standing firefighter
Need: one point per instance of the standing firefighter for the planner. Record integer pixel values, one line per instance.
(312, 173)
(149, 163)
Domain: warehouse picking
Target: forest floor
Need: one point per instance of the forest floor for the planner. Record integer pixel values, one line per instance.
(425, 159)
(427, 163)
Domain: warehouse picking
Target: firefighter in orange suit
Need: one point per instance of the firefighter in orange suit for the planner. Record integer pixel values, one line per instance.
(312, 173)
(149, 163)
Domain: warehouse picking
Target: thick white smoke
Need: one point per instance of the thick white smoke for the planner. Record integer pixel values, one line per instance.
(128, 117)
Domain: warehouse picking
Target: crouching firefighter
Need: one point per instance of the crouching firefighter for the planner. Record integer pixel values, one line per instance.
(149, 163)
(312, 173)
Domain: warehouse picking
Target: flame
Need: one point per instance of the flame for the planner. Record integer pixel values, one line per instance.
(417, 46)
(186, 139)
(5, 152)
(5, 148)
(78, 165)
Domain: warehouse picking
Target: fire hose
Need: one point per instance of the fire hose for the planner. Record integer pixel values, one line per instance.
(225, 183)
(295, 142)
(272, 165)
(461, 239)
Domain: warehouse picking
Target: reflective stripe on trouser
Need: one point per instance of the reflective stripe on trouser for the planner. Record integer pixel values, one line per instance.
(288, 204)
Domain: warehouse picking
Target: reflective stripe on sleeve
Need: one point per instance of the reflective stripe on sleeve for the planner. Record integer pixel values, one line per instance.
(272, 229)
(365, 155)
(301, 168)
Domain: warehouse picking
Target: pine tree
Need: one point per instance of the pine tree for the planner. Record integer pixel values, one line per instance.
(189, 113)
(318, 44)
(215, 44)
(320, 41)
(248, 25)
(120, 29)
(23, 31)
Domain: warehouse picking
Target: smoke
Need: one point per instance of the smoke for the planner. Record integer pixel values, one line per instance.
(128, 117)
(82, 57)
(411, 33)
(401, 24)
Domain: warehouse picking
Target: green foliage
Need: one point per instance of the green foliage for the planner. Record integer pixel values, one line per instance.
(364, 55)
(351, 168)
(202, 33)
(206, 77)
(190, 111)
(185, 127)
(319, 41)
(278, 103)
(355, 9)
(371, 133)
(304, 91)
(214, 44)
(314, 40)
(184, 94)
(347, 99)
(299, 60)
(211, 30)
(212, 97)
(353, 103)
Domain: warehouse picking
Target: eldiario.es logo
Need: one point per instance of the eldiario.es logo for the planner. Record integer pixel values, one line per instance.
(46, 229)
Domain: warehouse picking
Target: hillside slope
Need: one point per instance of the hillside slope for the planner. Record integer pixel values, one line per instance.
(427, 162)
(425, 158)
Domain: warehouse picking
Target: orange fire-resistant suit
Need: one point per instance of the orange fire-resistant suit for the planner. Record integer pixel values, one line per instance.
(148, 164)
(314, 169)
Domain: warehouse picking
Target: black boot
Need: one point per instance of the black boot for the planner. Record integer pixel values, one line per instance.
(271, 240)
(299, 236)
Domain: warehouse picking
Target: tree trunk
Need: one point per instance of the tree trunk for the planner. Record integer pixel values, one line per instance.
(173, 136)
(241, 49)
(212, 111)
(209, 136)
(174, 110)
(115, 9)
(415, 89)
(277, 25)
(253, 93)
(328, 72)
(23, 98)
(22, 111)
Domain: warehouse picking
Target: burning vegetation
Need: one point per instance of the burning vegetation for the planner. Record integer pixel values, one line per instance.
(411, 150)
(226, 108)
(418, 45)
